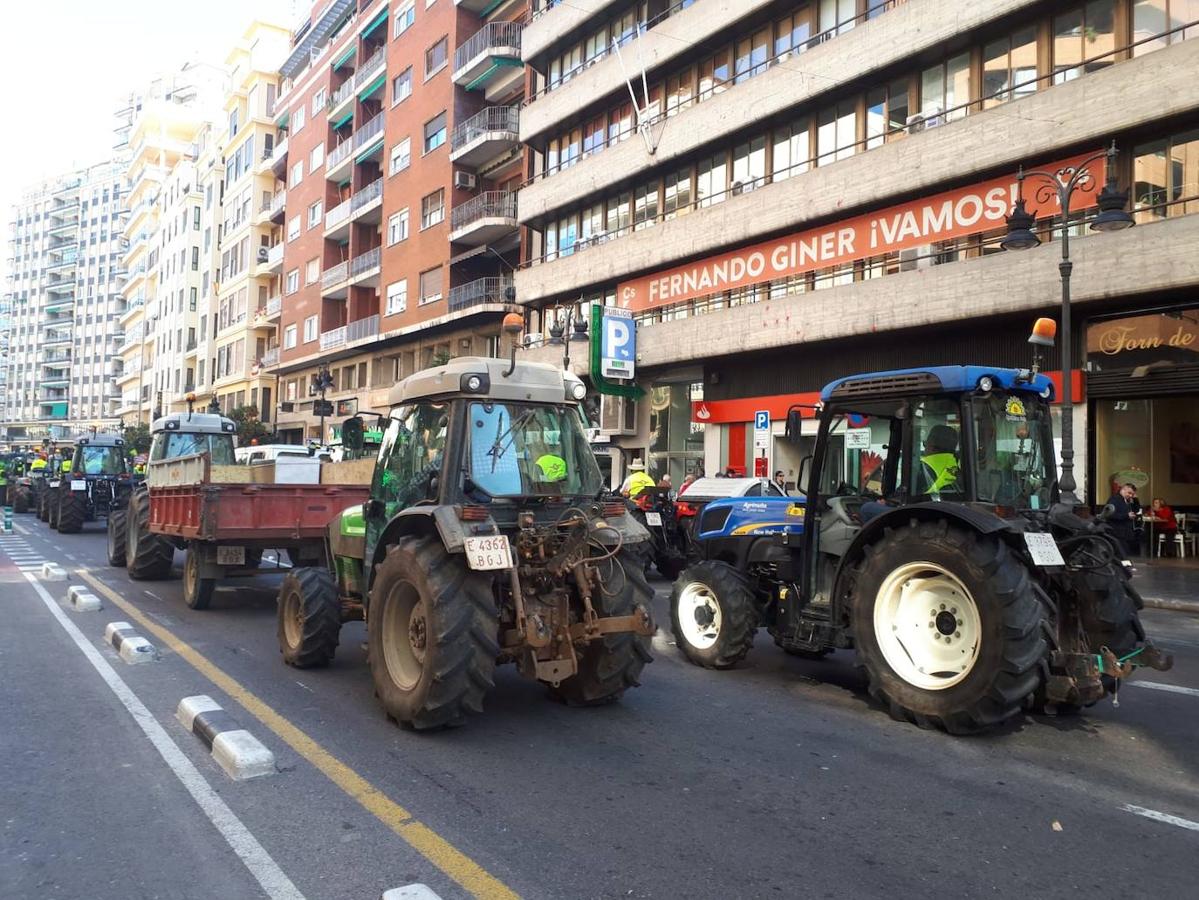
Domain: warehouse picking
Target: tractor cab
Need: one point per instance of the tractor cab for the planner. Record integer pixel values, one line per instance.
(183, 434)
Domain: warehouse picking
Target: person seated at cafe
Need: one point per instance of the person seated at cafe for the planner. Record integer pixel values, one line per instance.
(1164, 514)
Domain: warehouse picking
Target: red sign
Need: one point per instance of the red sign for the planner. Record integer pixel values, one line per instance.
(942, 217)
(760, 469)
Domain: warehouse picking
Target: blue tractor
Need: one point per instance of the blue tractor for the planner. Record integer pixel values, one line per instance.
(931, 541)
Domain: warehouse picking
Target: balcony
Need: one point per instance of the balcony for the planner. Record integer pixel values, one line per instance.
(59, 307)
(134, 306)
(489, 57)
(365, 205)
(56, 339)
(279, 158)
(484, 219)
(333, 280)
(361, 145)
(64, 264)
(362, 329)
(274, 306)
(339, 100)
(59, 287)
(333, 339)
(485, 136)
(364, 268)
(279, 206)
(337, 221)
(368, 70)
(274, 259)
(479, 292)
(270, 358)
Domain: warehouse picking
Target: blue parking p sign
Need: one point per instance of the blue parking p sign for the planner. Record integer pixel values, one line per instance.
(762, 420)
(618, 343)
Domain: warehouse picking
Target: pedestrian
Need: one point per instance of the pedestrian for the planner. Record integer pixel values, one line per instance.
(1121, 521)
(780, 481)
(687, 481)
(730, 472)
(637, 481)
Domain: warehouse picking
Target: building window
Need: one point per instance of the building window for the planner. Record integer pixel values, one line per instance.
(1164, 173)
(749, 165)
(319, 99)
(297, 174)
(289, 337)
(944, 88)
(314, 214)
(195, 259)
(1010, 67)
(432, 209)
(310, 330)
(312, 271)
(401, 156)
(792, 150)
(293, 282)
(435, 58)
(297, 119)
(435, 132)
(645, 208)
(1150, 17)
(1086, 31)
(317, 158)
(430, 286)
(293, 228)
(711, 178)
(401, 86)
(397, 297)
(836, 133)
(404, 18)
(397, 227)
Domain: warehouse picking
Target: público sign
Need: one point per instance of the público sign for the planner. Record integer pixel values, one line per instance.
(618, 343)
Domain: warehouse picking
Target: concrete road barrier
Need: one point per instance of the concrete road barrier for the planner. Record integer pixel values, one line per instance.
(410, 892)
(82, 599)
(235, 750)
(132, 647)
(53, 572)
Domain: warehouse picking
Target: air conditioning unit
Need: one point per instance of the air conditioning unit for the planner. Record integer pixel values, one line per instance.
(465, 180)
(933, 121)
(915, 124)
(263, 254)
(618, 415)
(915, 258)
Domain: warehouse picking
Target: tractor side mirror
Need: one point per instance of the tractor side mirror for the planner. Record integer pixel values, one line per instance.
(794, 425)
(805, 467)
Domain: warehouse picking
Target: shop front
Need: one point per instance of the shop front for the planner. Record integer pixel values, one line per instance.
(1143, 389)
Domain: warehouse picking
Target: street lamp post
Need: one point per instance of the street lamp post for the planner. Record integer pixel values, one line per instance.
(321, 382)
(1020, 236)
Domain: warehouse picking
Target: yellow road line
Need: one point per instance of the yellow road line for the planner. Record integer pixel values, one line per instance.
(420, 837)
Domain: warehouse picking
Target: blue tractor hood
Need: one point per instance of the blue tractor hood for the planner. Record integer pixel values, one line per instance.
(947, 379)
(751, 516)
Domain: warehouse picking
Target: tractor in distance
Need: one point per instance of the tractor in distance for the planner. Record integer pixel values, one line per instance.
(931, 541)
(489, 537)
(96, 483)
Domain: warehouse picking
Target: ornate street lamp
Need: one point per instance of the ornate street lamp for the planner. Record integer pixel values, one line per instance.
(1020, 236)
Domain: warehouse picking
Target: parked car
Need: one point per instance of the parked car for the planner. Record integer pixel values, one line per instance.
(695, 496)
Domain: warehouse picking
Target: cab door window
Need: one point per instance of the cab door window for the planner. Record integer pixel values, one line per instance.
(411, 456)
(936, 469)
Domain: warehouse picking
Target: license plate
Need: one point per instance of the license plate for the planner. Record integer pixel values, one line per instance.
(78, 485)
(484, 554)
(652, 518)
(230, 556)
(1043, 549)
(54, 484)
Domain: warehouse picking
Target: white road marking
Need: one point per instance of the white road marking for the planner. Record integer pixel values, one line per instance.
(1161, 817)
(267, 872)
(152, 595)
(1170, 688)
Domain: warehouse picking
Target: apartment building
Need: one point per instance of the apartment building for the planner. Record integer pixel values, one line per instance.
(400, 148)
(783, 192)
(210, 178)
(162, 258)
(61, 303)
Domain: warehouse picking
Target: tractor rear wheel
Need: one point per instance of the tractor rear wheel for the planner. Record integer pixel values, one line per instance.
(947, 626)
(72, 511)
(309, 618)
(43, 504)
(432, 632)
(54, 507)
(669, 565)
(713, 614)
(1108, 610)
(116, 528)
(611, 665)
(20, 499)
(148, 556)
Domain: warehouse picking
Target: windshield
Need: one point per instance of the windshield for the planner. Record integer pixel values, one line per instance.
(1013, 433)
(172, 444)
(520, 449)
(102, 461)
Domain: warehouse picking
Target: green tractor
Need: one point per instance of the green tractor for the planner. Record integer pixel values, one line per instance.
(488, 538)
(94, 485)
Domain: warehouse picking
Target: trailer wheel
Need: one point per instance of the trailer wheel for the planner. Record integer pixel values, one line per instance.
(432, 631)
(116, 528)
(72, 511)
(148, 556)
(947, 627)
(197, 591)
(309, 618)
(713, 614)
(612, 664)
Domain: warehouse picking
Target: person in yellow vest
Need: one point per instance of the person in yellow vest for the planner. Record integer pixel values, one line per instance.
(940, 459)
(3, 482)
(38, 465)
(552, 466)
(66, 464)
(637, 481)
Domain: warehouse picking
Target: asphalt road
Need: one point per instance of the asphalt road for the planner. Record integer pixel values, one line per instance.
(777, 779)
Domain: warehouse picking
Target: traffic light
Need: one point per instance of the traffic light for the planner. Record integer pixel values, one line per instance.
(322, 407)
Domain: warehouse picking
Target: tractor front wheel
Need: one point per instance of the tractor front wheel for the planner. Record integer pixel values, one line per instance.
(309, 618)
(72, 511)
(947, 626)
(713, 614)
(432, 630)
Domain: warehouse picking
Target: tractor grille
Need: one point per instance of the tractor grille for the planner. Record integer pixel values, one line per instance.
(713, 519)
(890, 386)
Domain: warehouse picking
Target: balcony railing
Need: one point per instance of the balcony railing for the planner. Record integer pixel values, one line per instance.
(493, 34)
(365, 262)
(368, 131)
(479, 291)
(274, 255)
(362, 329)
(338, 214)
(335, 275)
(277, 203)
(279, 152)
(270, 357)
(370, 68)
(487, 205)
(368, 194)
(274, 306)
(487, 121)
(346, 89)
(334, 338)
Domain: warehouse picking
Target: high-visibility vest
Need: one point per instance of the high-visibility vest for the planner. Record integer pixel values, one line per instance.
(553, 468)
(944, 467)
(638, 482)
(37, 465)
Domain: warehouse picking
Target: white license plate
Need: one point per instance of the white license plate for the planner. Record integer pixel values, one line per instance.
(230, 556)
(54, 484)
(1043, 549)
(78, 485)
(486, 553)
(652, 518)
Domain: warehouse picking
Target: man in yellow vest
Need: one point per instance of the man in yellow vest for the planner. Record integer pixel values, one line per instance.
(38, 465)
(940, 459)
(637, 481)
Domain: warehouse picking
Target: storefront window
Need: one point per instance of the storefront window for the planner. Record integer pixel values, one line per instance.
(676, 443)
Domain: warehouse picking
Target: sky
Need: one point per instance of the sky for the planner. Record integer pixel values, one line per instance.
(66, 66)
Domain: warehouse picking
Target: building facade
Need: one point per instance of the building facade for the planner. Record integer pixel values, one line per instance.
(400, 151)
(62, 300)
(786, 192)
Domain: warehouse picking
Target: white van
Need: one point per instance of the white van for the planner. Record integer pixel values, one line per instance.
(258, 453)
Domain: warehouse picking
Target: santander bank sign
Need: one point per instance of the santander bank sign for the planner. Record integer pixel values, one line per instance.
(942, 217)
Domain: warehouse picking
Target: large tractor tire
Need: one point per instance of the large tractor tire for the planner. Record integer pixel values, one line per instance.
(148, 557)
(197, 590)
(43, 504)
(54, 507)
(117, 526)
(1108, 610)
(21, 499)
(670, 565)
(309, 618)
(612, 664)
(713, 615)
(432, 635)
(948, 627)
(72, 511)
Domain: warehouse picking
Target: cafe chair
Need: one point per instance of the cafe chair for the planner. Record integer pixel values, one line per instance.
(1180, 538)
